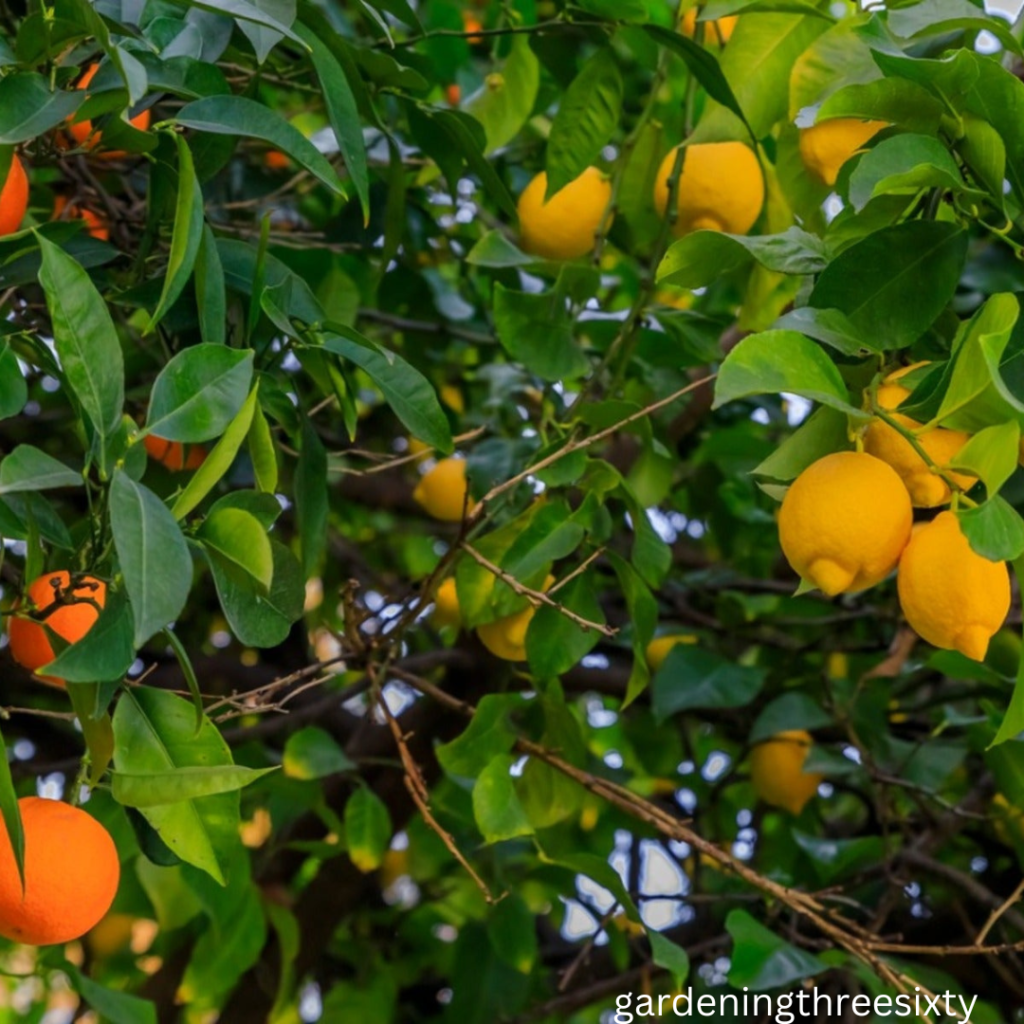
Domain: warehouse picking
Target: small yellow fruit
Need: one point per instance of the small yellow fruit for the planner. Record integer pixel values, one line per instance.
(825, 147)
(718, 31)
(420, 449)
(777, 771)
(446, 606)
(952, 596)
(564, 227)
(658, 648)
(845, 521)
(505, 638)
(721, 188)
(443, 491)
(926, 488)
(452, 396)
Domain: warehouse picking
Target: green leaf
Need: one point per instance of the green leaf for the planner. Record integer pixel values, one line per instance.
(343, 113)
(775, 361)
(243, 11)
(28, 469)
(587, 117)
(219, 461)
(158, 788)
(239, 542)
(105, 653)
(1012, 724)
(554, 643)
(904, 163)
(824, 432)
(693, 677)
(512, 929)
(237, 115)
(994, 528)
(548, 796)
(702, 257)
(186, 237)
(832, 328)
(153, 554)
(499, 814)
(793, 710)
(495, 249)
(506, 99)
(311, 502)
(665, 953)
(29, 107)
(113, 1005)
(13, 389)
(643, 614)
(264, 39)
(893, 284)
(199, 392)
(761, 959)
(408, 393)
(488, 734)
(211, 296)
(85, 337)
(703, 66)
(263, 452)
(367, 829)
(313, 753)
(616, 10)
(535, 329)
(154, 731)
(14, 833)
(257, 618)
(834, 858)
(991, 455)
(935, 17)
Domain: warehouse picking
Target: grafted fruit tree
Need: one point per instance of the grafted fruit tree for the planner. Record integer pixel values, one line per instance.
(511, 510)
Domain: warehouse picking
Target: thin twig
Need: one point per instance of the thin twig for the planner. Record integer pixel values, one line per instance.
(998, 913)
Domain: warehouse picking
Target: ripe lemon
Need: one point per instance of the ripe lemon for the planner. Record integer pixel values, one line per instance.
(825, 147)
(718, 31)
(446, 606)
(71, 874)
(845, 521)
(777, 771)
(564, 227)
(721, 188)
(505, 638)
(30, 642)
(952, 596)
(13, 198)
(926, 488)
(658, 648)
(443, 491)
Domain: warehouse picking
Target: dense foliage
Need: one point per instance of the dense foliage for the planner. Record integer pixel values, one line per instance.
(271, 277)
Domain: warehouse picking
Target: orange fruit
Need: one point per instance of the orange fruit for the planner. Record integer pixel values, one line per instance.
(718, 31)
(71, 874)
(94, 224)
(453, 93)
(30, 644)
(13, 198)
(81, 131)
(173, 454)
(275, 160)
(473, 27)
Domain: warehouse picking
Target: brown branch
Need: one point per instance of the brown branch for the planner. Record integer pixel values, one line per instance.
(998, 913)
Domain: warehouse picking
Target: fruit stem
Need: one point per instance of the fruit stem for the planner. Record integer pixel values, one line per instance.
(914, 443)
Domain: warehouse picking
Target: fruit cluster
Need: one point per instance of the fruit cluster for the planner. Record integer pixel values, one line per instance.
(847, 522)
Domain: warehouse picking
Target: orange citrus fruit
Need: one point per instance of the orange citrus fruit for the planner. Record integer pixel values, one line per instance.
(718, 31)
(564, 226)
(80, 605)
(173, 454)
(71, 874)
(81, 131)
(13, 198)
(94, 224)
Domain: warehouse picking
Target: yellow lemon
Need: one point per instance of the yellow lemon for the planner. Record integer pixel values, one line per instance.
(721, 188)
(505, 638)
(718, 31)
(443, 491)
(452, 396)
(420, 449)
(446, 606)
(658, 648)
(825, 147)
(926, 488)
(845, 521)
(952, 596)
(564, 227)
(777, 771)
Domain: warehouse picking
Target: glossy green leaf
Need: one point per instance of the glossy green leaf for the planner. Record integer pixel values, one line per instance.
(27, 468)
(994, 528)
(991, 455)
(311, 504)
(211, 298)
(507, 97)
(14, 833)
(29, 107)
(535, 330)
(237, 540)
(489, 733)
(665, 953)
(499, 814)
(313, 753)
(367, 829)
(180, 784)
(761, 959)
(13, 389)
(115, 1006)
(693, 677)
(554, 643)
(105, 653)
(904, 163)
(263, 452)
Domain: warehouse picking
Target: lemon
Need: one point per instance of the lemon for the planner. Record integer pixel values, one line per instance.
(564, 227)
(845, 521)
(721, 188)
(926, 488)
(718, 31)
(443, 491)
(420, 449)
(446, 606)
(825, 147)
(452, 396)
(658, 648)
(952, 596)
(505, 638)
(777, 771)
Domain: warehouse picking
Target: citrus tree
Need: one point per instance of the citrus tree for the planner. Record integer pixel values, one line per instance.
(508, 508)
